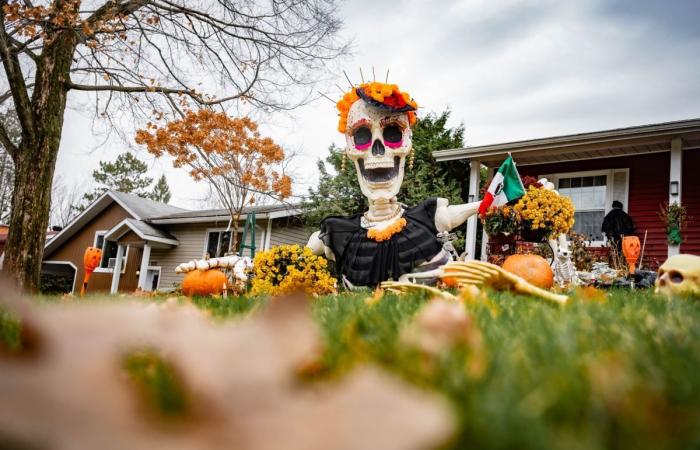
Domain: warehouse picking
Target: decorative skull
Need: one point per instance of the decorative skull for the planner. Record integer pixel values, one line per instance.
(378, 140)
(679, 276)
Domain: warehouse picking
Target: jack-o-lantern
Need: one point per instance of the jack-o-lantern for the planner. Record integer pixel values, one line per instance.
(204, 282)
(631, 248)
(91, 260)
(532, 268)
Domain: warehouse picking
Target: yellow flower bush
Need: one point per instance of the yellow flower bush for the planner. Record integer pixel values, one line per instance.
(291, 268)
(543, 209)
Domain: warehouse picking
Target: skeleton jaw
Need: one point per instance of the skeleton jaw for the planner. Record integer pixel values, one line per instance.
(379, 172)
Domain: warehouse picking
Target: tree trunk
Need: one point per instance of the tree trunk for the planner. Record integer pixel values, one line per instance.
(35, 163)
(31, 200)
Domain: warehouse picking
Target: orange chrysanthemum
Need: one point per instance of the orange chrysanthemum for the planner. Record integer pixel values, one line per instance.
(388, 94)
(386, 233)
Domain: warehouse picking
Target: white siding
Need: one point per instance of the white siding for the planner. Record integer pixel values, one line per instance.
(192, 238)
(288, 232)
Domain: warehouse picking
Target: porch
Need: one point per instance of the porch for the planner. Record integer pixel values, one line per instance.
(127, 255)
(642, 166)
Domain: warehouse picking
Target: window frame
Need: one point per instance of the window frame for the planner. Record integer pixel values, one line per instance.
(609, 185)
(125, 258)
(99, 233)
(206, 239)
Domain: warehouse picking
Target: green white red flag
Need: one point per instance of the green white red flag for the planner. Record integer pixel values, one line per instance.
(505, 187)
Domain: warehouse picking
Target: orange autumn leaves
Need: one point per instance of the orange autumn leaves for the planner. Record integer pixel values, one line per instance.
(213, 144)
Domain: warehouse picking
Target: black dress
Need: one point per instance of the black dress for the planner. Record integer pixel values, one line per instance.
(366, 262)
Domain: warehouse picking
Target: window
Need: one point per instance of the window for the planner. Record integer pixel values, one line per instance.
(218, 243)
(592, 194)
(99, 239)
(589, 195)
(109, 253)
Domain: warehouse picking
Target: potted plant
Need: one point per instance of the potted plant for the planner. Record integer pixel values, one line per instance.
(544, 214)
(675, 218)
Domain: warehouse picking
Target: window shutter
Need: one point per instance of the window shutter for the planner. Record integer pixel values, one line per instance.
(620, 186)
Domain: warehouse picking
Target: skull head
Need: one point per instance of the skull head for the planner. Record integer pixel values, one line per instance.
(378, 141)
(679, 276)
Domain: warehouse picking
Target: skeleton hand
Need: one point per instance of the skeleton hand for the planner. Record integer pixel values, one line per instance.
(481, 273)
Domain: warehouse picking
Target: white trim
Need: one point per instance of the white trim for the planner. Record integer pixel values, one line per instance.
(609, 184)
(76, 219)
(653, 131)
(471, 227)
(100, 269)
(268, 235)
(676, 170)
(70, 263)
(145, 261)
(292, 212)
(97, 233)
(206, 239)
(160, 273)
(116, 275)
(139, 233)
(675, 175)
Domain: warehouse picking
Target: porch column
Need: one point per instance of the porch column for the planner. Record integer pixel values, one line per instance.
(470, 237)
(117, 271)
(268, 235)
(675, 179)
(145, 262)
(484, 242)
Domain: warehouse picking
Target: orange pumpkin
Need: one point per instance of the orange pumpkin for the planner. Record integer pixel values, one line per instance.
(631, 249)
(533, 268)
(203, 282)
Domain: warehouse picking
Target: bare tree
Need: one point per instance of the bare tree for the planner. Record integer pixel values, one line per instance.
(9, 121)
(140, 59)
(65, 199)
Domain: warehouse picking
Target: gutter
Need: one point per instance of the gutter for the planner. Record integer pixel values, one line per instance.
(670, 129)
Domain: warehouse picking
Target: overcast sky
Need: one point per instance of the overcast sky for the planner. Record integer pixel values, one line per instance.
(509, 70)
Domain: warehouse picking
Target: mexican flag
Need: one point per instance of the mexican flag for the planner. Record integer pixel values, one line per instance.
(506, 186)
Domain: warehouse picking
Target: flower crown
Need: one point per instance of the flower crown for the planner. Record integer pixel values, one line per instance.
(381, 95)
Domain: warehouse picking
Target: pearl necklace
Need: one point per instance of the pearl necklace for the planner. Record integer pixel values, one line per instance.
(368, 223)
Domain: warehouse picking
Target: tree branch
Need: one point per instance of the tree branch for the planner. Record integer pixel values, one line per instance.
(6, 142)
(15, 78)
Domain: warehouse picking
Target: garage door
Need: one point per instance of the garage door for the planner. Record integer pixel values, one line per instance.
(57, 277)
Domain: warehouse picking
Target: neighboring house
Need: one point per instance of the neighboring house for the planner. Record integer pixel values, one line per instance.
(642, 166)
(147, 240)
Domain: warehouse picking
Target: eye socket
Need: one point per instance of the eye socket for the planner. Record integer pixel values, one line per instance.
(676, 277)
(362, 137)
(392, 133)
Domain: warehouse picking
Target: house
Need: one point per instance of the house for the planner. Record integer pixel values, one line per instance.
(641, 166)
(147, 240)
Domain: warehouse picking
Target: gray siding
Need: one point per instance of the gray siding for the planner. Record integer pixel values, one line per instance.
(286, 231)
(192, 238)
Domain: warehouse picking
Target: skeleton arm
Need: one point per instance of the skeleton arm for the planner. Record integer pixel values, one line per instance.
(449, 217)
(318, 247)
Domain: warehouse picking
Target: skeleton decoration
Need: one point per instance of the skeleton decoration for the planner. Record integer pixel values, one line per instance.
(679, 276)
(563, 267)
(389, 241)
(240, 266)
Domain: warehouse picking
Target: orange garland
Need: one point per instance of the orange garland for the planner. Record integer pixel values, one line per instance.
(386, 233)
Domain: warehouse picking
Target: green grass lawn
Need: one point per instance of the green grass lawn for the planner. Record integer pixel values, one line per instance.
(621, 373)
